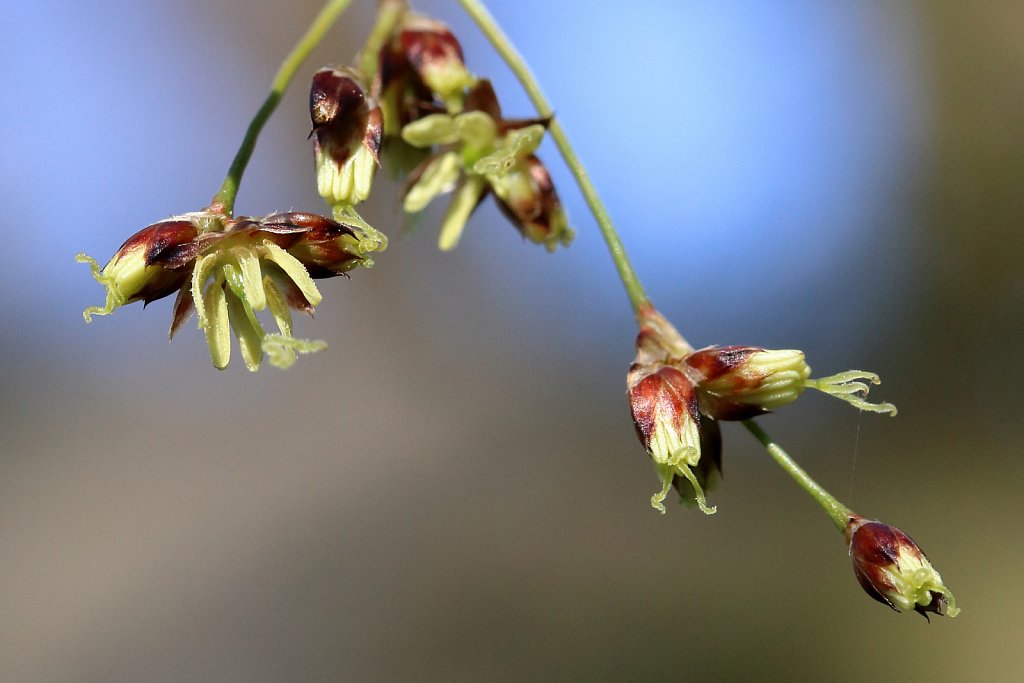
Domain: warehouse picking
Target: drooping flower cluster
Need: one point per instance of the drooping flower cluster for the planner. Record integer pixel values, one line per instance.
(677, 396)
(893, 570)
(229, 269)
(432, 103)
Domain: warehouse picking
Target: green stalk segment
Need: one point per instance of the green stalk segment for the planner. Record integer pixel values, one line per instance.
(224, 200)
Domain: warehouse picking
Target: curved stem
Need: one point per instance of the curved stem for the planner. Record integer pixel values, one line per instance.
(635, 291)
(839, 513)
(224, 200)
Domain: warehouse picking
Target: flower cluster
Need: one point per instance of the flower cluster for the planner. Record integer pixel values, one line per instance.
(411, 101)
(432, 103)
(229, 269)
(677, 396)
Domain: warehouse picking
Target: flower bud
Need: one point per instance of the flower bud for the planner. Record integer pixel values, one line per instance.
(527, 196)
(435, 56)
(347, 133)
(893, 570)
(740, 382)
(663, 404)
(147, 267)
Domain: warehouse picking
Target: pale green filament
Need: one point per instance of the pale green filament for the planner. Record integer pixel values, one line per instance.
(666, 473)
(438, 177)
(114, 298)
(698, 491)
(845, 386)
(281, 350)
(465, 200)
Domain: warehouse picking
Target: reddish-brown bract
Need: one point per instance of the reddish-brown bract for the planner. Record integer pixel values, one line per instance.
(162, 244)
(715, 361)
(342, 116)
(666, 395)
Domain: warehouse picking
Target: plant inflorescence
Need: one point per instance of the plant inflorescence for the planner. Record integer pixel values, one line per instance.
(408, 102)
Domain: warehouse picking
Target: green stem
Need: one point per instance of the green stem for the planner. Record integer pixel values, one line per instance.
(839, 513)
(224, 200)
(388, 14)
(635, 291)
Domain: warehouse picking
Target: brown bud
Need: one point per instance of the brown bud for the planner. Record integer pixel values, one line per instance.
(148, 266)
(893, 570)
(435, 56)
(334, 96)
(528, 197)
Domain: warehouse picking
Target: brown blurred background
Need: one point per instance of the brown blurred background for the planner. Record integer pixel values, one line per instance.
(453, 490)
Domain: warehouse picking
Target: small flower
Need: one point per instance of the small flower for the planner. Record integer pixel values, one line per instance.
(893, 570)
(663, 403)
(740, 382)
(482, 152)
(527, 197)
(228, 270)
(421, 71)
(435, 56)
(146, 266)
(347, 130)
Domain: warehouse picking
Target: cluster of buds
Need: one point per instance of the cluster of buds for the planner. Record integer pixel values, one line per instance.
(893, 570)
(229, 269)
(677, 396)
(432, 103)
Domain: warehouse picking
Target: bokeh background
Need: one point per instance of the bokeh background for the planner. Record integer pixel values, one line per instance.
(453, 489)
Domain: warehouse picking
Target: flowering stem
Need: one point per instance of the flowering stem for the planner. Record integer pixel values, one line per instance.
(839, 513)
(635, 291)
(224, 200)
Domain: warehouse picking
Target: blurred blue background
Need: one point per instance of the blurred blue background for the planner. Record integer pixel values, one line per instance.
(453, 489)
